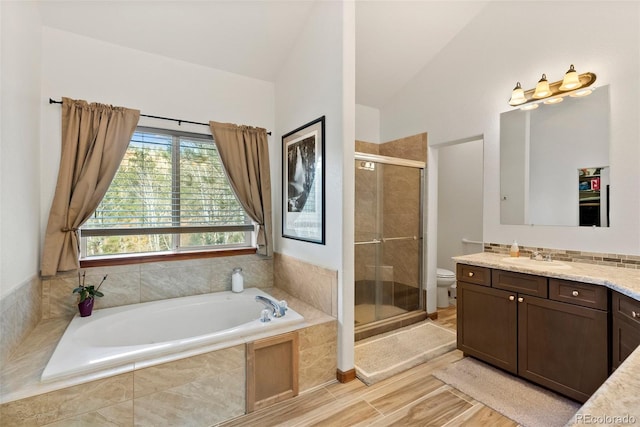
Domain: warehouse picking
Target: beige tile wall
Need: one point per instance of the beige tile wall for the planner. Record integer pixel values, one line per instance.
(20, 312)
(412, 148)
(69, 402)
(315, 285)
(130, 284)
(202, 390)
(318, 355)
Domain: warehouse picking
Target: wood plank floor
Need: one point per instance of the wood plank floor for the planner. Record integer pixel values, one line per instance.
(411, 398)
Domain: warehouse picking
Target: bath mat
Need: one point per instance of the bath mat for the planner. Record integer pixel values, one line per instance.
(523, 402)
(382, 356)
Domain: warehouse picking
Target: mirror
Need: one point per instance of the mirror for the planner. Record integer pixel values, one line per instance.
(540, 152)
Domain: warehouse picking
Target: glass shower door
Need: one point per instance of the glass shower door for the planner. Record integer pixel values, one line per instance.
(388, 246)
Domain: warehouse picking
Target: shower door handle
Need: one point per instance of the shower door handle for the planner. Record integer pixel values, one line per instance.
(388, 239)
(369, 242)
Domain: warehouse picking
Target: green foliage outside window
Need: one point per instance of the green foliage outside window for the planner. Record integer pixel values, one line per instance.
(167, 180)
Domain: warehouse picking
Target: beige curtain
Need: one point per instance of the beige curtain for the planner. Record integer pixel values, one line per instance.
(94, 140)
(245, 155)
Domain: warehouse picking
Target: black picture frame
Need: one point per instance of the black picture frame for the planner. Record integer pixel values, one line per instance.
(303, 183)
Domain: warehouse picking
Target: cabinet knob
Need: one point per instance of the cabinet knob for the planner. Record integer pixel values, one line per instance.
(471, 274)
(511, 298)
(520, 299)
(575, 293)
(635, 314)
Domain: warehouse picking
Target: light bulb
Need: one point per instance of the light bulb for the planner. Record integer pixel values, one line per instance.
(542, 88)
(571, 80)
(517, 96)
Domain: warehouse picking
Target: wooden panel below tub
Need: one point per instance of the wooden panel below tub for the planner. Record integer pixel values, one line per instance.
(272, 370)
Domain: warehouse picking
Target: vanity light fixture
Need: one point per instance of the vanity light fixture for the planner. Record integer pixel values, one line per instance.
(542, 88)
(571, 80)
(517, 96)
(573, 84)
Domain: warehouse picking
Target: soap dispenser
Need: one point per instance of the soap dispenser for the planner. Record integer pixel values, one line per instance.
(237, 281)
(515, 250)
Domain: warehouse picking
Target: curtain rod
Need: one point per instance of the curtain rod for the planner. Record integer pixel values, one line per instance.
(180, 121)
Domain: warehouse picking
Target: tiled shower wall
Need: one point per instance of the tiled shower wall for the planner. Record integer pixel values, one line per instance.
(130, 284)
(401, 216)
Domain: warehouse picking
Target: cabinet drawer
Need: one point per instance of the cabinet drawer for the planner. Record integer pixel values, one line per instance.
(519, 282)
(626, 307)
(584, 294)
(473, 274)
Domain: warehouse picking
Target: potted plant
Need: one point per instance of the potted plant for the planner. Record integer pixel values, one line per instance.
(87, 295)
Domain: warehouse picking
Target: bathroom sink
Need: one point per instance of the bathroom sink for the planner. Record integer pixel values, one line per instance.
(538, 265)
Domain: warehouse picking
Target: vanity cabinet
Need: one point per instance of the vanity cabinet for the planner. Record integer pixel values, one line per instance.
(488, 325)
(625, 327)
(552, 332)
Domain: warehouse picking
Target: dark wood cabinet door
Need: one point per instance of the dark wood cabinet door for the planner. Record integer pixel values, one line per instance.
(626, 337)
(487, 325)
(625, 327)
(562, 346)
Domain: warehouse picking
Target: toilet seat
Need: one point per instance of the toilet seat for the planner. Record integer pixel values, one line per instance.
(445, 274)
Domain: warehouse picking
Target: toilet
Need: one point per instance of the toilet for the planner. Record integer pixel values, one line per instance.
(445, 279)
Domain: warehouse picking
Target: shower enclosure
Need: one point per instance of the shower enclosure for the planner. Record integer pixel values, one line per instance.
(388, 238)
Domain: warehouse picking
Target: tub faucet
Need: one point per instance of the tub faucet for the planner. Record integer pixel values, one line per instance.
(277, 308)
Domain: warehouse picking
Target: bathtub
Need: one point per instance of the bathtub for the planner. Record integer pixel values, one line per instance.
(121, 339)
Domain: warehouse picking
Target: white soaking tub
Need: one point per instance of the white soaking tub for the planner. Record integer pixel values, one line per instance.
(125, 338)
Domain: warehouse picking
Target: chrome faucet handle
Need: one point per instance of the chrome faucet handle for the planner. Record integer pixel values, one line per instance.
(534, 255)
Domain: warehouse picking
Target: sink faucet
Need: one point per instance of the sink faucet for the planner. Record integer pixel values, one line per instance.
(277, 309)
(539, 256)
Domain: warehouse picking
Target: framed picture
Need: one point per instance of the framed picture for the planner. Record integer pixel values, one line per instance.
(303, 203)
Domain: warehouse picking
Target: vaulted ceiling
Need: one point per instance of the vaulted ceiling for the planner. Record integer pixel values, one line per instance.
(394, 39)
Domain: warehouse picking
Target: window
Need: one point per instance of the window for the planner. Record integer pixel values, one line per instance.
(170, 194)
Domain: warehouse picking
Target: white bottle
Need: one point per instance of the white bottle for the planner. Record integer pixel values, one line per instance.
(515, 250)
(237, 281)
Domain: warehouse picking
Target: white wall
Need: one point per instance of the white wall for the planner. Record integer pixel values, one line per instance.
(84, 68)
(19, 147)
(310, 86)
(312, 83)
(459, 201)
(367, 124)
(465, 88)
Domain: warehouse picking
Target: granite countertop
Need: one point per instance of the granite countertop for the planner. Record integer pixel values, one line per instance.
(617, 401)
(624, 280)
(20, 376)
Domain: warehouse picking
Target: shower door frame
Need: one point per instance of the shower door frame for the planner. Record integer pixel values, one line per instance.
(404, 319)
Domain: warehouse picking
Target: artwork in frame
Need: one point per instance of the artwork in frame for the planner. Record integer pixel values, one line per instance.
(303, 203)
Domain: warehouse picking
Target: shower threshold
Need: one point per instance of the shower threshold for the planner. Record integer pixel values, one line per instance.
(385, 325)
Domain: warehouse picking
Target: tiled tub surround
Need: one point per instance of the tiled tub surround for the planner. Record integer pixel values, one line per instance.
(315, 285)
(132, 284)
(19, 314)
(620, 394)
(200, 390)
